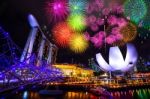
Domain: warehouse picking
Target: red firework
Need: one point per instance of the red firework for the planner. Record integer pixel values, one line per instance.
(62, 34)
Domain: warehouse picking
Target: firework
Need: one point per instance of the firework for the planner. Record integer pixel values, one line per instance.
(57, 10)
(110, 39)
(119, 43)
(128, 32)
(100, 21)
(121, 22)
(78, 43)
(77, 6)
(106, 11)
(112, 20)
(100, 3)
(87, 36)
(115, 30)
(77, 22)
(62, 34)
(135, 9)
(94, 27)
(146, 20)
(118, 36)
(117, 9)
(97, 39)
(89, 8)
(91, 19)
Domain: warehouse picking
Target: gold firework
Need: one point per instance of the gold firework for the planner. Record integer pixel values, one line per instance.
(78, 43)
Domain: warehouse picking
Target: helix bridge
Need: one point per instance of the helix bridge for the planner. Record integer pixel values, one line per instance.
(31, 65)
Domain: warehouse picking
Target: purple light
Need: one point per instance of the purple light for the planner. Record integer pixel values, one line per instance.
(94, 27)
(100, 3)
(118, 9)
(87, 36)
(115, 30)
(118, 36)
(91, 19)
(116, 60)
(97, 39)
(102, 63)
(32, 20)
(121, 22)
(110, 40)
(89, 8)
(106, 11)
(100, 21)
(57, 10)
(112, 20)
(131, 57)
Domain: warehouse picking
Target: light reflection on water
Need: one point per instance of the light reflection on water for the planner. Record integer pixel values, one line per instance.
(130, 94)
(66, 95)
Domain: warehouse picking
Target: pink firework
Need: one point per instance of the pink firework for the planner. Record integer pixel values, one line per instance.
(112, 20)
(118, 9)
(102, 33)
(115, 30)
(87, 36)
(91, 19)
(100, 21)
(106, 11)
(94, 27)
(121, 22)
(89, 8)
(110, 39)
(100, 3)
(118, 36)
(57, 10)
(97, 39)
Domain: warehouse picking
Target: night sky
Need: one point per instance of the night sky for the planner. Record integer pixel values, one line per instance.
(13, 18)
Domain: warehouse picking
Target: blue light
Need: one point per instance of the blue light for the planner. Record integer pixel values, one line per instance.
(147, 63)
(32, 20)
(25, 95)
(77, 6)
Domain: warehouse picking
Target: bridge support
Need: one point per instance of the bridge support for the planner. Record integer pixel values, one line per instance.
(40, 53)
(29, 45)
(37, 34)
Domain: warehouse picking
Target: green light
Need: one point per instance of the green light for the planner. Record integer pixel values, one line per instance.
(146, 19)
(77, 22)
(75, 7)
(135, 9)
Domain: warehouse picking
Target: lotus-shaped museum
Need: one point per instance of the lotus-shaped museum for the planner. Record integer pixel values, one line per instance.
(116, 60)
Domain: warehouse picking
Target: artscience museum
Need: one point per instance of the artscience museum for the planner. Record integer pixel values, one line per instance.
(116, 60)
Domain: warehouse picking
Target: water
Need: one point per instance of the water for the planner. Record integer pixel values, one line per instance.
(130, 94)
(66, 95)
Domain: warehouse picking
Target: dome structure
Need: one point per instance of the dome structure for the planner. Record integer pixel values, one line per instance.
(116, 60)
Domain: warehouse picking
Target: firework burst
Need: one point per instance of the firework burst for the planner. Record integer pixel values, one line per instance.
(135, 10)
(62, 34)
(77, 6)
(77, 22)
(78, 43)
(57, 10)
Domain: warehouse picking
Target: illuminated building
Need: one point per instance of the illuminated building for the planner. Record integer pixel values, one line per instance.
(72, 70)
(116, 60)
